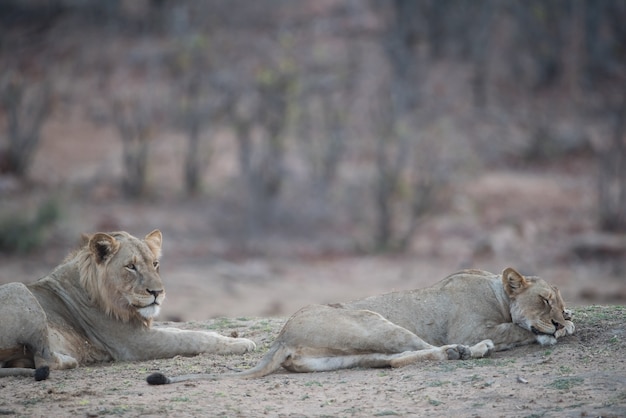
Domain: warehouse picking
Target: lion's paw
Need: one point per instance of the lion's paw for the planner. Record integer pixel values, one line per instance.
(242, 345)
(458, 352)
(65, 361)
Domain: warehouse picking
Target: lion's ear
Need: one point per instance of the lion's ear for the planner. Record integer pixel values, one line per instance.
(84, 239)
(155, 240)
(103, 246)
(514, 283)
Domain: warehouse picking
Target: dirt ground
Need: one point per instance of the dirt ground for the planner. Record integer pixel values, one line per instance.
(583, 375)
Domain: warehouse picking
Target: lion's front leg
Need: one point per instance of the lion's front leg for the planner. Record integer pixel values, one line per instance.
(63, 361)
(228, 345)
(170, 342)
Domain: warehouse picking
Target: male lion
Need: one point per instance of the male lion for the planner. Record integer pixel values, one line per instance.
(97, 306)
(471, 307)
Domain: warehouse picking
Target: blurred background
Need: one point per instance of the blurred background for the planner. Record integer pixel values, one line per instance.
(295, 152)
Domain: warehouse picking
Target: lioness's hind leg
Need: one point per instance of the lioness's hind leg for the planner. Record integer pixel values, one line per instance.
(446, 352)
(458, 352)
(348, 331)
(372, 360)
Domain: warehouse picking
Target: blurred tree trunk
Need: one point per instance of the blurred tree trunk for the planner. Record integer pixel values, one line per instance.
(243, 136)
(605, 76)
(195, 117)
(192, 158)
(273, 118)
(260, 132)
(192, 66)
(541, 27)
(395, 138)
(436, 22)
(604, 41)
(27, 107)
(335, 118)
(133, 125)
(265, 158)
(612, 174)
(480, 51)
(323, 119)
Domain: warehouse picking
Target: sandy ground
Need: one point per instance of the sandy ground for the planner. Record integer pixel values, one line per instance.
(583, 375)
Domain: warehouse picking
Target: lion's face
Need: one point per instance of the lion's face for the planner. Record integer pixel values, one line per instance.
(127, 269)
(535, 305)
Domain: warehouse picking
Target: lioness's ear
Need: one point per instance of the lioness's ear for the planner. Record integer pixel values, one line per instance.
(155, 240)
(513, 282)
(103, 246)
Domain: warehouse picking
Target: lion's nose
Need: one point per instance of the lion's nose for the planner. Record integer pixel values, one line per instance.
(154, 293)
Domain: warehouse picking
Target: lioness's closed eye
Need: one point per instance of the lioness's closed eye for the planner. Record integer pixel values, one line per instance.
(98, 305)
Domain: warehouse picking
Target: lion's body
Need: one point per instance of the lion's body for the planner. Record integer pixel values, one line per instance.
(97, 306)
(470, 308)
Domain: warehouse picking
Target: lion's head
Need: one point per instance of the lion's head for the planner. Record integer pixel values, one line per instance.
(120, 273)
(535, 305)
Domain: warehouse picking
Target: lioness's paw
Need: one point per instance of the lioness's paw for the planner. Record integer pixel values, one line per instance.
(458, 352)
(567, 314)
(568, 329)
(482, 349)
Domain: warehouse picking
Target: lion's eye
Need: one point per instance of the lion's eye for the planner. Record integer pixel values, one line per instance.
(131, 266)
(156, 264)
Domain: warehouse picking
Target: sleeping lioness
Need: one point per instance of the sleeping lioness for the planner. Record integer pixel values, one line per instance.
(96, 306)
(466, 315)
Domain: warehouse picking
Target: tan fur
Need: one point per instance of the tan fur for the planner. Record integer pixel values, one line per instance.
(98, 305)
(466, 315)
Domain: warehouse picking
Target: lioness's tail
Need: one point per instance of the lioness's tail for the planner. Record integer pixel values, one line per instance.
(270, 362)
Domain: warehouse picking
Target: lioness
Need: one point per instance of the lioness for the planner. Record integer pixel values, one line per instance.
(471, 307)
(97, 306)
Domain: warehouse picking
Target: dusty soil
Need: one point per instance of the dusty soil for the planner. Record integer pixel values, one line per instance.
(583, 375)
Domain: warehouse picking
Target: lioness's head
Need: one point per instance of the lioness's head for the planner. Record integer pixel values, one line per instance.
(535, 305)
(121, 274)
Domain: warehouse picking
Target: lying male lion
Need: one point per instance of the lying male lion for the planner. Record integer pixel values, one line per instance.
(471, 307)
(96, 306)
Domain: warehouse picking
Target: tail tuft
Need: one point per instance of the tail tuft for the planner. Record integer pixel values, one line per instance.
(158, 379)
(42, 373)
